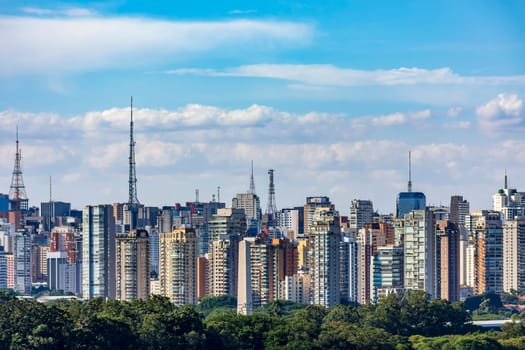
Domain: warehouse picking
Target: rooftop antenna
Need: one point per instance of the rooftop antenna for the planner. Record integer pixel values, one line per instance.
(50, 190)
(409, 172)
(218, 194)
(252, 182)
(196, 195)
(506, 179)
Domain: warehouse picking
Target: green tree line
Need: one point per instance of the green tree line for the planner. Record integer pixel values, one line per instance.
(411, 321)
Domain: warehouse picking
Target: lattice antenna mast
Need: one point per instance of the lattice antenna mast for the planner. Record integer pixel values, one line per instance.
(271, 209)
(17, 190)
(133, 200)
(409, 172)
(252, 182)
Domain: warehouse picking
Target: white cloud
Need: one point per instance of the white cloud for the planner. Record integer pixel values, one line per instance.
(504, 111)
(388, 120)
(329, 75)
(204, 147)
(58, 44)
(241, 12)
(454, 111)
(69, 12)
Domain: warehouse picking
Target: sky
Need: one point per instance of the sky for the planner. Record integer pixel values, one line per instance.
(332, 95)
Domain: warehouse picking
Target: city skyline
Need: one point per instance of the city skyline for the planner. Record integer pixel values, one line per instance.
(331, 96)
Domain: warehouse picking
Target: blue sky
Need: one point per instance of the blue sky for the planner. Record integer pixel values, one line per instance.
(332, 95)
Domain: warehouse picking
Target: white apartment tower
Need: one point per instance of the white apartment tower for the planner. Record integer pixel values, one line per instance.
(513, 257)
(324, 236)
(418, 244)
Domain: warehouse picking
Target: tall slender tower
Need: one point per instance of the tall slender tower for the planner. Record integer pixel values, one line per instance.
(17, 192)
(133, 202)
(252, 182)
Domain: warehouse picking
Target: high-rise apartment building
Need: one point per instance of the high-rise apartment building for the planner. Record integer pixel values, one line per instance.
(447, 260)
(98, 252)
(487, 233)
(22, 262)
(133, 265)
(312, 203)
(513, 255)
(369, 239)
(222, 266)
(419, 251)
(290, 222)
(387, 271)
(178, 265)
(227, 221)
(251, 205)
(361, 213)
(324, 236)
(348, 281)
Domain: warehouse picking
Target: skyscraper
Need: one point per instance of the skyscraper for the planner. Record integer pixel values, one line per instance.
(98, 252)
(513, 256)
(22, 262)
(178, 265)
(133, 265)
(348, 258)
(419, 251)
(312, 203)
(387, 271)
(369, 239)
(447, 260)
(487, 233)
(324, 236)
(361, 212)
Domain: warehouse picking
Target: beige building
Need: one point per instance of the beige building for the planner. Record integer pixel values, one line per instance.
(513, 256)
(178, 265)
(222, 266)
(133, 268)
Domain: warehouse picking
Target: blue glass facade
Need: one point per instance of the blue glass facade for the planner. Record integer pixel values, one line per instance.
(408, 201)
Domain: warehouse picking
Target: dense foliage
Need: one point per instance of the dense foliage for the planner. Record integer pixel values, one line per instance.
(409, 322)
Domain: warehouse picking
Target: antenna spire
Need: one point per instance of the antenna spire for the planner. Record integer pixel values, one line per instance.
(409, 171)
(17, 190)
(132, 200)
(506, 180)
(50, 190)
(252, 182)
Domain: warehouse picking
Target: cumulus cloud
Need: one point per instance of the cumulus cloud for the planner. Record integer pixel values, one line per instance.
(71, 44)
(204, 147)
(504, 111)
(330, 75)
